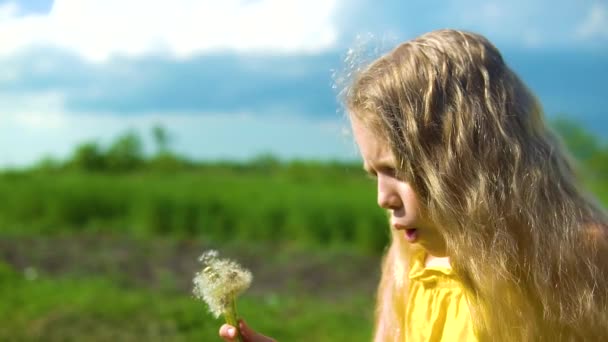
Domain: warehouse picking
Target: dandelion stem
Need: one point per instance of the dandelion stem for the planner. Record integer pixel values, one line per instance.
(230, 315)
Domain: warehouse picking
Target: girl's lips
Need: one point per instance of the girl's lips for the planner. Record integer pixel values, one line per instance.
(411, 234)
(399, 226)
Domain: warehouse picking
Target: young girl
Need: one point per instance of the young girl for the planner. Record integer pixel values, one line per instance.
(493, 238)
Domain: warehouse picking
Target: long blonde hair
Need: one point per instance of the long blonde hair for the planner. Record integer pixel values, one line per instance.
(529, 245)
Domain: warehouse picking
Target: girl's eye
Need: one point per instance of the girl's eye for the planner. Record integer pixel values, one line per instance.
(388, 171)
(384, 170)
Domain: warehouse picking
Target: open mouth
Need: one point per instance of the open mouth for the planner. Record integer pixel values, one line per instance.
(411, 234)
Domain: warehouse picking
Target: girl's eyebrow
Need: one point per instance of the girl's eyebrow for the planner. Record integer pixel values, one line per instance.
(383, 164)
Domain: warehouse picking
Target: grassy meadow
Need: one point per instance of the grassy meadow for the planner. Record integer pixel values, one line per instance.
(101, 256)
(103, 246)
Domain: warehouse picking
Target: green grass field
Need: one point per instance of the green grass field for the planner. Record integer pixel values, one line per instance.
(321, 206)
(112, 288)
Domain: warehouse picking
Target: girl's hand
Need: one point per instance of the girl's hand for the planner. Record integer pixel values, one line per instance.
(228, 334)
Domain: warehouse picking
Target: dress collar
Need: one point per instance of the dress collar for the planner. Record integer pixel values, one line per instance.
(418, 271)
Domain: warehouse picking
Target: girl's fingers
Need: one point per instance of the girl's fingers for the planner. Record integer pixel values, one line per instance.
(227, 332)
(251, 336)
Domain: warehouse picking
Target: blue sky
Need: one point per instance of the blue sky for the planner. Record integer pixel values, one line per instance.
(232, 79)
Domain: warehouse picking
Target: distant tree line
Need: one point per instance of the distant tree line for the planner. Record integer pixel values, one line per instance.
(126, 153)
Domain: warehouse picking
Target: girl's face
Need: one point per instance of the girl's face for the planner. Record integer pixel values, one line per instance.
(396, 195)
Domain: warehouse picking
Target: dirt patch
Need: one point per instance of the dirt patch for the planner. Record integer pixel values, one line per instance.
(168, 264)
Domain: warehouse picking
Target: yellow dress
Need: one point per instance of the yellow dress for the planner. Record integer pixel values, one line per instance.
(437, 308)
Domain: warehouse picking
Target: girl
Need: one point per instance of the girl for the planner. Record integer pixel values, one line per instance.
(493, 239)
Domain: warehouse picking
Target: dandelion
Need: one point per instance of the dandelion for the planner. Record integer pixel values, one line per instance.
(219, 283)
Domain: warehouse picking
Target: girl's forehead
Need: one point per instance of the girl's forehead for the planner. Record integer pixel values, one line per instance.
(373, 147)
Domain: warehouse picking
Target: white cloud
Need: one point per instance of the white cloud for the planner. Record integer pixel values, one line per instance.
(100, 29)
(37, 121)
(8, 10)
(18, 102)
(595, 24)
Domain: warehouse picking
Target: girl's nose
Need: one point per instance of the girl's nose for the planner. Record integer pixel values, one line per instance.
(387, 197)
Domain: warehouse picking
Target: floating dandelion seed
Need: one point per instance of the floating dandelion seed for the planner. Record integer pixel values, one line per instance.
(365, 49)
(219, 284)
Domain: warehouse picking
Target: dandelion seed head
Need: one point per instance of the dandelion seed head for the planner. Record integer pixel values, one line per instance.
(219, 282)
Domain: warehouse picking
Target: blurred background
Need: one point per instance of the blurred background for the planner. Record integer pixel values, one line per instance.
(134, 135)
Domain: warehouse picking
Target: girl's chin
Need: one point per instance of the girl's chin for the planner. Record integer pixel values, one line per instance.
(432, 247)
